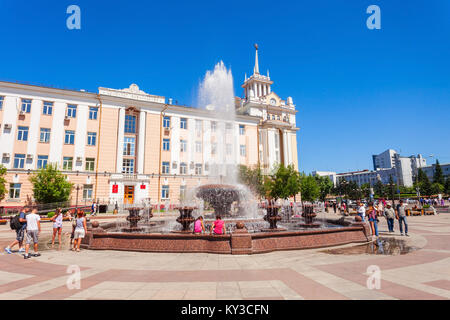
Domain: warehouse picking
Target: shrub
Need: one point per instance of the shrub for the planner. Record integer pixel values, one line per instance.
(50, 214)
(425, 206)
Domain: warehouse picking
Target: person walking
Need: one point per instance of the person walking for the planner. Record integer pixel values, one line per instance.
(80, 230)
(334, 207)
(401, 217)
(57, 225)
(218, 226)
(361, 210)
(20, 231)
(33, 231)
(199, 227)
(372, 214)
(389, 214)
(94, 209)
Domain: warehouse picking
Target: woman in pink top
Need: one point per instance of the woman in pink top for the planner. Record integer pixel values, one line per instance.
(218, 226)
(198, 225)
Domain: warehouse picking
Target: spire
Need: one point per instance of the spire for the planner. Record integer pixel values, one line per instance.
(256, 69)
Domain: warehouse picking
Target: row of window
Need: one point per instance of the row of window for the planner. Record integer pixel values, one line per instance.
(14, 191)
(42, 160)
(198, 125)
(47, 108)
(69, 136)
(198, 147)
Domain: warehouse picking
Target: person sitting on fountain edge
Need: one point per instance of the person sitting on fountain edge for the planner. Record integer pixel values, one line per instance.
(199, 227)
(218, 226)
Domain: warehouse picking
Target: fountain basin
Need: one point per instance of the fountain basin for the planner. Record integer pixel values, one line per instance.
(234, 243)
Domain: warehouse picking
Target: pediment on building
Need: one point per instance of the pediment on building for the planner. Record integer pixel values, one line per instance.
(132, 92)
(273, 99)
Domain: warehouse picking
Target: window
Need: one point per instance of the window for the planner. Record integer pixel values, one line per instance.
(183, 123)
(42, 162)
(183, 145)
(1, 102)
(91, 138)
(22, 133)
(242, 150)
(128, 166)
(130, 124)
(198, 146)
(166, 122)
(45, 135)
(213, 126)
(70, 137)
(26, 105)
(198, 168)
(90, 164)
(183, 168)
(47, 109)
(241, 129)
(182, 192)
(19, 161)
(93, 113)
(198, 125)
(228, 148)
(87, 192)
(166, 144)
(71, 111)
(165, 167)
(67, 163)
(213, 148)
(14, 190)
(165, 192)
(129, 146)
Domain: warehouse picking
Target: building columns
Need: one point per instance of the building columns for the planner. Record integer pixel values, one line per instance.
(120, 135)
(141, 141)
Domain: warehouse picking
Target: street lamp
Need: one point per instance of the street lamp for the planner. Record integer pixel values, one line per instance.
(78, 188)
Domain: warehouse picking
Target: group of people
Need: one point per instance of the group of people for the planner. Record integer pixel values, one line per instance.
(29, 224)
(217, 228)
(384, 209)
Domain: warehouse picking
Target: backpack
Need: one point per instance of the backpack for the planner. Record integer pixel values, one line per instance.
(15, 224)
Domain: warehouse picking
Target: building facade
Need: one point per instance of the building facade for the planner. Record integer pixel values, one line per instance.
(430, 170)
(128, 146)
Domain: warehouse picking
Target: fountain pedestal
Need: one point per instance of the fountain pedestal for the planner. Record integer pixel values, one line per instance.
(309, 215)
(185, 218)
(272, 218)
(133, 218)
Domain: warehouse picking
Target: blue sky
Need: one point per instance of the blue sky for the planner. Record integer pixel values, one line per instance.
(357, 91)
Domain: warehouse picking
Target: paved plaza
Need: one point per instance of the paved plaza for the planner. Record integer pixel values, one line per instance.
(424, 273)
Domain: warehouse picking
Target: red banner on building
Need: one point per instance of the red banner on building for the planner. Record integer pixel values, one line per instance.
(115, 188)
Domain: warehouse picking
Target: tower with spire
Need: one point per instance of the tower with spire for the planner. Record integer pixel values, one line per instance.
(277, 131)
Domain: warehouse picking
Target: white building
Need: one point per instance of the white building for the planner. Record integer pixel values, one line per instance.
(429, 170)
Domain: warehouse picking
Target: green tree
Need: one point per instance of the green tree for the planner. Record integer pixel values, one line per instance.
(423, 183)
(325, 186)
(253, 179)
(3, 189)
(437, 188)
(447, 185)
(438, 176)
(309, 188)
(379, 189)
(283, 183)
(50, 185)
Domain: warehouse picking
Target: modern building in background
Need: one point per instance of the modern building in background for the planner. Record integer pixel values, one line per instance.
(387, 164)
(128, 146)
(430, 170)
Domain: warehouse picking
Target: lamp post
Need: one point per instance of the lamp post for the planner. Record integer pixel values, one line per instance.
(78, 188)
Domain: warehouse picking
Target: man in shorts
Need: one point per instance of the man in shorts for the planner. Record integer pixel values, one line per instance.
(20, 232)
(33, 230)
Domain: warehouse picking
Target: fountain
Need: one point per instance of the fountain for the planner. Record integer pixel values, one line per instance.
(248, 232)
(133, 218)
(219, 196)
(309, 215)
(185, 218)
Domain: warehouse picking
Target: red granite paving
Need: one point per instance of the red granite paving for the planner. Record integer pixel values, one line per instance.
(438, 242)
(441, 284)
(305, 287)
